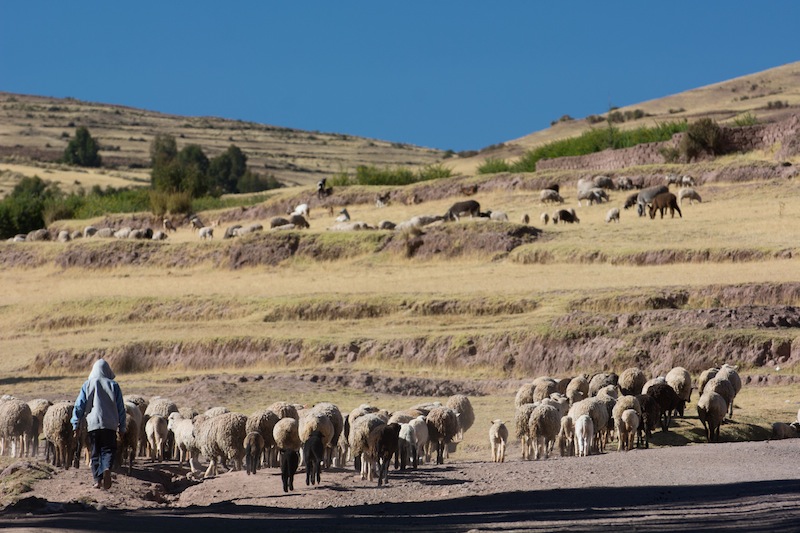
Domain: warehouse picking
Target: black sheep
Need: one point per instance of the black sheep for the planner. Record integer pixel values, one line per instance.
(667, 400)
(386, 448)
(290, 459)
(650, 415)
(314, 453)
(469, 207)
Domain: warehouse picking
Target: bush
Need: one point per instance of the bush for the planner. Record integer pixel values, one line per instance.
(162, 203)
(371, 175)
(22, 210)
(748, 119)
(82, 150)
(252, 182)
(493, 165)
(702, 137)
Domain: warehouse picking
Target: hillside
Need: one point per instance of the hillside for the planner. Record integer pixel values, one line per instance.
(757, 94)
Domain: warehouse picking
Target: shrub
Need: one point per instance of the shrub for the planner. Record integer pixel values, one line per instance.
(162, 202)
(493, 165)
(252, 182)
(748, 119)
(82, 150)
(371, 175)
(702, 137)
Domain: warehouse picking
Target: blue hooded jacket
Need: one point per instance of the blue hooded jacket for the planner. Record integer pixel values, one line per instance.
(100, 400)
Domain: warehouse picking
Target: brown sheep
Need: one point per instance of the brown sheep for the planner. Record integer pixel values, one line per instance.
(662, 202)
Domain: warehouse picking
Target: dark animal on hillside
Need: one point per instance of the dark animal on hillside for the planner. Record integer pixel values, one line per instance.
(322, 189)
(290, 459)
(382, 199)
(553, 187)
(386, 448)
(469, 190)
(253, 450)
(667, 400)
(646, 196)
(314, 453)
(664, 201)
(650, 416)
(231, 231)
(299, 221)
(467, 207)
(630, 201)
(565, 216)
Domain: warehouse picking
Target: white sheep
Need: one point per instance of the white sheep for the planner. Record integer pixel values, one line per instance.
(627, 428)
(221, 438)
(711, 411)
(286, 434)
(16, 427)
(612, 215)
(184, 441)
(544, 425)
(681, 381)
(631, 381)
(206, 232)
(551, 196)
(363, 437)
(566, 437)
(344, 216)
(38, 407)
(57, 430)
(466, 415)
(156, 429)
(264, 422)
(545, 218)
(522, 417)
(498, 437)
(301, 209)
(421, 432)
(691, 194)
(406, 447)
(584, 435)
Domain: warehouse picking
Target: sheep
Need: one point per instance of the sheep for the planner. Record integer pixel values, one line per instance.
(554, 187)
(724, 388)
(597, 410)
(156, 430)
(522, 417)
(623, 404)
(299, 221)
(290, 460)
(781, 430)
(691, 194)
(650, 382)
(543, 388)
(681, 382)
(105, 233)
(705, 377)
(57, 430)
(63, 236)
(89, 231)
(382, 199)
(385, 447)
(311, 423)
(645, 196)
(335, 415)
(406, 447)
(183, 434)
(559, 401)
(545, 218)
(631, 381)
(601, 380)
(466, 415)
(314, 454)
(577, 389)
(624, 183)
(544, 425)
(612, 215)
(551, 196)
(667, 400)
(206, 233)
(168, 225)
(344, 215)
(526, 219)
(592, 196)
(663, 201)
(286, 434)
(728, 372)
(711, 411)
(584, 435)
(302, 210)
(128, 442)
(566, 437)
(159, 236)
(650, 416)
(122, 233)
(38, 408)
(16, 427)
(459, 209)
(498, 216)
(420, 427)
(362, 444)
(567, 216)
(263, 422)
(627, 428)
(442, 427)
(687, 181)
(253, 450)
(222, 437)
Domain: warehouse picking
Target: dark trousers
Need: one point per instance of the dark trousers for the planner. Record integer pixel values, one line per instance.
(104, 445)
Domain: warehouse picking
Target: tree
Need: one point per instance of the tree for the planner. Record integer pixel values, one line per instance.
(82, 150)
(23, 210)
(227, 168)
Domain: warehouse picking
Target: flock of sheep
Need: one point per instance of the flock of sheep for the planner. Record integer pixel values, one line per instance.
(284, 434)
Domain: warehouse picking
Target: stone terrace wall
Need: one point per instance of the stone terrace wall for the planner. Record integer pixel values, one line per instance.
(739, 139)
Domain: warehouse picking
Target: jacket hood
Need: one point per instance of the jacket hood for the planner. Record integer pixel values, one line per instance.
(101, 370)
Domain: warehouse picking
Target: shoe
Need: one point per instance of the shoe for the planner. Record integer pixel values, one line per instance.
(107, 479)
(97, 484)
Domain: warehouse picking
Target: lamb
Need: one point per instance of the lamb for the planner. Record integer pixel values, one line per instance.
(407, 452)
(627, 428)
(206, 233)
(128, 442)
(623, 404)
(385, 447)
(631, 381)
(544, 425)
(263, 422)
(612, 215)
(566, 437)
(549, 195)
(222, 437)
(290, 459)
(420, 427)
(16, 427)
(584, 435)
(253, 450)
(463, 408)
(156, 430)
(498, 437)
(567, 216)
(442, 427)
(663, 201)
(724, 388)
(459, 209)
(545, 218)
(57, 430)
(183, 434)
(38, 408)
(650, 416)
(681, 381)
(667, 400)
(705, 377)
(691, 194)
(314, 453)
(711, 411)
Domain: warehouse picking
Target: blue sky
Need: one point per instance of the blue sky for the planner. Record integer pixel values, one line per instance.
(450, 74)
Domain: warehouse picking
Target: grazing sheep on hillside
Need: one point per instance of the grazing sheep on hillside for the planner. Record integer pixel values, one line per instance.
(206, 233)
(645, 196)
(604, 182)
(499, 216)
(466, 415)
(57, 430)
(89, 231)
(681, 381)
(662, 202)
(624, 183)
(631, 381)
(459, 209)
(299, 221)
(16, 427)
(551, 196)
(442, 427)
(544, 424)
(221, 438)
(498, 437)
(667, 400)
(584, 435)
(277, 222)
(344, 215)
(691, 194)
(385, 448)
(711, 411)
(567, 216)
(545, 218)
(594, 195)
(302, 210)
(612, 215)
(253, 451)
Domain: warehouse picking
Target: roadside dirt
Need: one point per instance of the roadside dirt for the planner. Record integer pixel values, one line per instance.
(744, 486)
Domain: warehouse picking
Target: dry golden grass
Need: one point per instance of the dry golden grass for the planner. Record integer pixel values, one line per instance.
(70, 179)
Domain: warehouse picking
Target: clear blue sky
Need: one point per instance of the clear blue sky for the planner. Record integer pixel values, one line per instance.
(445, 74)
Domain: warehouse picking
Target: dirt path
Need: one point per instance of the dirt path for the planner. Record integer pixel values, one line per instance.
(744, 486)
